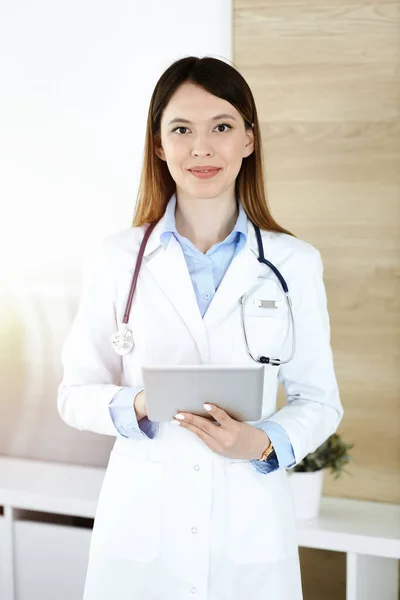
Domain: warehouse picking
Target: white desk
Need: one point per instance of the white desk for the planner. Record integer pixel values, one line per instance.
(368, 532)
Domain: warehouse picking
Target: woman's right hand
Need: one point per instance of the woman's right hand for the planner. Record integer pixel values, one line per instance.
(139, 405)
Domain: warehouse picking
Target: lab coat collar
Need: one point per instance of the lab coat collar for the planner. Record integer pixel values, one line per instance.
(169, 269)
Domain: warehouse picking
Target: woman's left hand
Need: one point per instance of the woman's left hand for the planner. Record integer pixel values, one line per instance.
(233, 439)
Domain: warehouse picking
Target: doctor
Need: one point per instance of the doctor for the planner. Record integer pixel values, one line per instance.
(190, 509)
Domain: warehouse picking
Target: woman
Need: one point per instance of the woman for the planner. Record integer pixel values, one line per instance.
(193, 508)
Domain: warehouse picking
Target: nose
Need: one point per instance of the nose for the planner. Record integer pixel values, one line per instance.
(202, 152)
(201, 147)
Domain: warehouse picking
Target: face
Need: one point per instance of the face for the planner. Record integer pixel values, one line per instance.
(195, 138)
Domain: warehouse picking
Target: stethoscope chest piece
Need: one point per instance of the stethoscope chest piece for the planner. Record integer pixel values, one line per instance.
(122, 341)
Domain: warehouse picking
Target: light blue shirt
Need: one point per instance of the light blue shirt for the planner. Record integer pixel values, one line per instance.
(206, 272)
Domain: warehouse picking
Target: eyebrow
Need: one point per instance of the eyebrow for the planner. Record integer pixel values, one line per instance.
(216, 118)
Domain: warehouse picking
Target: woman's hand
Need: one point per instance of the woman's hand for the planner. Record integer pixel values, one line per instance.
(233, 439)
(139, 405)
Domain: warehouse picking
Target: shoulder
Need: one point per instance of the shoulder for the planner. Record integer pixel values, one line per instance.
(291, 251)
(296, 259)
(125, 240)
(116, 250)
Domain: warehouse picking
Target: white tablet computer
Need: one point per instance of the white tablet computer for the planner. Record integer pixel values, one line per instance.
(172, 388)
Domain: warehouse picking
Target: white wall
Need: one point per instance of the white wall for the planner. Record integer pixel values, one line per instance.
(76, 80)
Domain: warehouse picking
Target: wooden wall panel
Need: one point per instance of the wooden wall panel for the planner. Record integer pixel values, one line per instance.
(325, 77)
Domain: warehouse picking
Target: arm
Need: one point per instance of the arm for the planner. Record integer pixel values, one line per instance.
(314, 410)
(124, 416)
(92, 370)
(283, 455)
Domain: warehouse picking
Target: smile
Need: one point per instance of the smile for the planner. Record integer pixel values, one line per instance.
(205, 174)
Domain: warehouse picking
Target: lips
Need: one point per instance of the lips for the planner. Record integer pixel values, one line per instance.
(204, 169)
(208, 173)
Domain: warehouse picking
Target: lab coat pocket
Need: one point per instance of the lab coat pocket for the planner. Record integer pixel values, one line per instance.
(261, 522)
(128, 516)
(266, 319)
(267, 300)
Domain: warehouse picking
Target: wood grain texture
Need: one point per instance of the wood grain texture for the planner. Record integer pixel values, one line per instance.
(317, 581)
(325, 77)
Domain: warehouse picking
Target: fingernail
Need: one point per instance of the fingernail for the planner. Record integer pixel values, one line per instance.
(181, 417)
(207, 406)
(175, 422)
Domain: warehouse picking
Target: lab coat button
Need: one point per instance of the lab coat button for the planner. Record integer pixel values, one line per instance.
(194, 529)
(193, 590)
(196, 467)
(207, 295)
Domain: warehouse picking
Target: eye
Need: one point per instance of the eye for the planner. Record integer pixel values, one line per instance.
(224, 125)
(180, 127)
(219, 125)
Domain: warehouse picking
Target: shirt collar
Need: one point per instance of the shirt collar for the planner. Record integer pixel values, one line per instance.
(169, 223)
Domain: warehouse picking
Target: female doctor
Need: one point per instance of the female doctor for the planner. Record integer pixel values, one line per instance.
(193, 508)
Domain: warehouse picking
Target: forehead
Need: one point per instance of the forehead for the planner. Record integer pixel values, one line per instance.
(196, 104)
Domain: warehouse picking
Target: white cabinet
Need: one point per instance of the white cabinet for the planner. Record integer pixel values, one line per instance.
(371, 577)
(50, 560)
(45, 551)
(369, 534)
(6, 554)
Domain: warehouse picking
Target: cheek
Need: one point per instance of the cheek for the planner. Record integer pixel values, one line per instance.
(232, 154)
(173, 145)
(176, 155)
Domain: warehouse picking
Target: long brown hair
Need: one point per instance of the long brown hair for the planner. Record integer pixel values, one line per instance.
(156, 183)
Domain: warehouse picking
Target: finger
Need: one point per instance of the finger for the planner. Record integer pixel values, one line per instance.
(212, 428)
(203, 435)
(220, 415)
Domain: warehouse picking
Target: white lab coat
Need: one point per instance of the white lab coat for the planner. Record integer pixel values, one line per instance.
(174, 519)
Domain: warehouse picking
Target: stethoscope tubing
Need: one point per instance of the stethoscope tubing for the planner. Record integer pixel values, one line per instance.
(122, 341)
(137, 271)
(275, 362)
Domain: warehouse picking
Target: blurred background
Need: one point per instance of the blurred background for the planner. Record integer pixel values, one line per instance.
(76, 80)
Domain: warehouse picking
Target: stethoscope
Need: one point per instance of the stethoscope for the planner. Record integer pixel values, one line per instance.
(122, 340)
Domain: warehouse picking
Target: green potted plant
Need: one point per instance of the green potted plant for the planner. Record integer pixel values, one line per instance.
(306, 478)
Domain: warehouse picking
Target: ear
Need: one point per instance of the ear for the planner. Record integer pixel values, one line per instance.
(249, 145)
(160, 152)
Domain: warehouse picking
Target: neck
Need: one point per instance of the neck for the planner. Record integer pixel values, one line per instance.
(205, 221)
